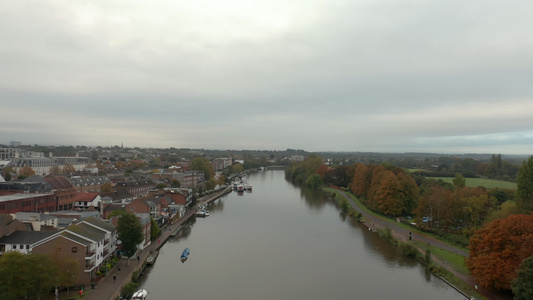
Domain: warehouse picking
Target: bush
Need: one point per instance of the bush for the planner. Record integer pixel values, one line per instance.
(408, 250)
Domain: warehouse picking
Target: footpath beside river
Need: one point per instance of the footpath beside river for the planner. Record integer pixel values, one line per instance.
(110, 287)
(402, 234)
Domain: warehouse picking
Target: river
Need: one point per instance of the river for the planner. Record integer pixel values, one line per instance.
(285, 242)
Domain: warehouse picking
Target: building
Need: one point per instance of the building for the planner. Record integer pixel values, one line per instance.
(89, 184)
(64, 191)
(23, 241)
(221, 163)
(90, 243)
(19, 202)
(138, 188)
(86, 201)
(37, 221)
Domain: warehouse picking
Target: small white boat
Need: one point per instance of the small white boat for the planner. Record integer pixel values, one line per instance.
(139, 295)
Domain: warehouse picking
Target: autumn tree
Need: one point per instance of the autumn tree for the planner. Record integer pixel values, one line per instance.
(497, 250)
(522, 285)
(55, 170)
(26, 171)
(106, 187)
(524, 183)
(69, 169)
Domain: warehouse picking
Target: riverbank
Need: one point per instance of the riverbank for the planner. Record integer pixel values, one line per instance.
(110, 287)
(456, 277)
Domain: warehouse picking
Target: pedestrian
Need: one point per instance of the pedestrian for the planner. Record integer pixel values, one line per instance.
(114, 278)
(138, 258)
(81, 293)
(119, 268)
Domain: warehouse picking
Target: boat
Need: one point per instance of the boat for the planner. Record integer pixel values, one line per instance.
(139, 295)
(202, 213)
(184, 255)
(150, 260)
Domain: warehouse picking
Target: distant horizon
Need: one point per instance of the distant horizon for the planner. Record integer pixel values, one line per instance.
(273, 150)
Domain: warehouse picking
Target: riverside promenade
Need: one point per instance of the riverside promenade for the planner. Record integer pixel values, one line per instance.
(110, 287)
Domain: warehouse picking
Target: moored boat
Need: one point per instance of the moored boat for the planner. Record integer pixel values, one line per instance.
(139, 295)
(185, 255)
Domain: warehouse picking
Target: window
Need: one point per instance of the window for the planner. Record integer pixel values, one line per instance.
(14, 246)
(74, 249)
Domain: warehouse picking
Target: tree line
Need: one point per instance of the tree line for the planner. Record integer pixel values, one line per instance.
(496, 225)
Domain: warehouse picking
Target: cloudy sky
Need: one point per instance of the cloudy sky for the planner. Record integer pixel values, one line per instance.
(348, 75)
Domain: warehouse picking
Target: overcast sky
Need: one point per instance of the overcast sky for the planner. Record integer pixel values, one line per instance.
(343, 75)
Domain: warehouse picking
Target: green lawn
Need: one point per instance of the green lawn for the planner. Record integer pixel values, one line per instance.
(488, 183)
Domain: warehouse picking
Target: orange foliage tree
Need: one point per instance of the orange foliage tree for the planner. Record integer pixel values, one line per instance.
(497, 250)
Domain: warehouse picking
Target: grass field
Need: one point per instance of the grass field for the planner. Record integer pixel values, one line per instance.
(488, 183)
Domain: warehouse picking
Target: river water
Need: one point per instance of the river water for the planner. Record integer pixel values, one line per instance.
(284, 242)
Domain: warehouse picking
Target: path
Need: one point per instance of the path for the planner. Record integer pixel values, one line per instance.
(401, 233)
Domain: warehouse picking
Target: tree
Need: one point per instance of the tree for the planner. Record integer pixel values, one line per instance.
(314, 181)
(161, 185)
(237, 168)
(497, 250)
(55, 170)
(130, 233)
(26, 172)
(459, 181)
(68, 169)
(106, 187)
(175, 183)
(522, 285)
(203, 165)
(155, 231)
(524, 183)
(26, 276)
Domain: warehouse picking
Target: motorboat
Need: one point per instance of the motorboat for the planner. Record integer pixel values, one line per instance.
(139, 295)
(185, 255)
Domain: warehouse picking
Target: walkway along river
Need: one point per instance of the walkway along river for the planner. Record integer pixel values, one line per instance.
(284, 242)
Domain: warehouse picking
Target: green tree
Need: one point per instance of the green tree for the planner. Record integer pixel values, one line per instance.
(155, 231)
(130, 233)
(161, 185)
(237, 168)
(203, 165)
(459, 181)
(26, 276)
(314, 181)
(522, 285)
(175, 183)
(524, 183)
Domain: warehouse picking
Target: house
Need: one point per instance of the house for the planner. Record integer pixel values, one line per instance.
(86, 201)
(147, 204)
(90, 243)
(23, 241)
(8, 225)
(37, 221)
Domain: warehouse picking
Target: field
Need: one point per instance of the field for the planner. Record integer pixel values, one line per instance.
(487, 183)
